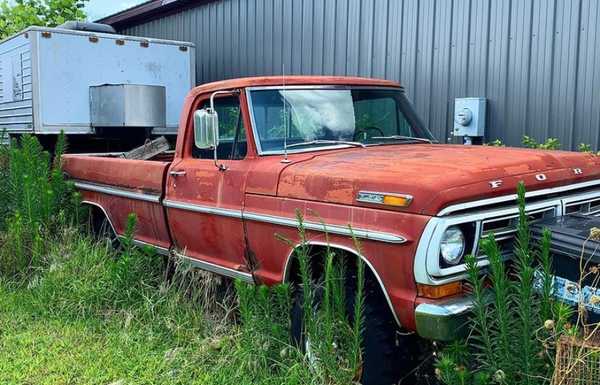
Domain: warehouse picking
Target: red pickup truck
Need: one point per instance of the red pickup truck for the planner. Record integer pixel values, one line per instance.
(344, 151)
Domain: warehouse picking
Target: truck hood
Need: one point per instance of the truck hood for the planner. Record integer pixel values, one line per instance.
(435, 175)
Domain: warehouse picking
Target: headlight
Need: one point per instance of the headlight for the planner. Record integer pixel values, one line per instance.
(452, 246)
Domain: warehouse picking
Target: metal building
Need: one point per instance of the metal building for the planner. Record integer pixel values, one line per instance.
(537, 61)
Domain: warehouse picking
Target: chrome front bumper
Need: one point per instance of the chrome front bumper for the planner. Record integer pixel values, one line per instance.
(443, 320)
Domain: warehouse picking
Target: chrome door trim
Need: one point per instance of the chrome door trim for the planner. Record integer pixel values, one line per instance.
(111, 190)
(512, 197)
(202, 209)
(217, 269)
(289, 222)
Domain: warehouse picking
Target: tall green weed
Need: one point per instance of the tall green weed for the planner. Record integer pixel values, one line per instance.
(331, 351)
(515, 319)
(37, 201)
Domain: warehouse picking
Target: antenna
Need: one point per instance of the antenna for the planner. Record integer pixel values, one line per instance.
(285, 121)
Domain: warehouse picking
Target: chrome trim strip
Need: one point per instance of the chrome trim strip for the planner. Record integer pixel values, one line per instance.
(285, 277)
(283, 221)
(159, 249)
(331, 229)
(213, 268)
(110, 190)
(202, 209)
(512, 197)
(452, 307)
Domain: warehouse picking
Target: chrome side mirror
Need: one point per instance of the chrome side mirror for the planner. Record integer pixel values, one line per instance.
(206, 129)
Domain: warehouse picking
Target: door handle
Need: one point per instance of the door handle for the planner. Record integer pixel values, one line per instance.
(177, 173)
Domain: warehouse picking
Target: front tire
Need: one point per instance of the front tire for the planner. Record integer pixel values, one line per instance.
(387, 355)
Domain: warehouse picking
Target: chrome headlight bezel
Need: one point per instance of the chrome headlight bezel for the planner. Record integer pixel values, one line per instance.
(453, 245)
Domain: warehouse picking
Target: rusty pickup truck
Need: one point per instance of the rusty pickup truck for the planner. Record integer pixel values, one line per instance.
(344, 151)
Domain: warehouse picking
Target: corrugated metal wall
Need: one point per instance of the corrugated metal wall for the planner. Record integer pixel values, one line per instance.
(537, 61)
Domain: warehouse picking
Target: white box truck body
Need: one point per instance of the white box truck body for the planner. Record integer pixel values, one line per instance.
(47, 74)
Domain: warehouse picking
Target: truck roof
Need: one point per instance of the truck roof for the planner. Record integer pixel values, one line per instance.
(265, 81)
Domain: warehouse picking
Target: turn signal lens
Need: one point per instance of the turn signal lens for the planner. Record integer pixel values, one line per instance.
(439, 291)
(395, 200)
(388, 199)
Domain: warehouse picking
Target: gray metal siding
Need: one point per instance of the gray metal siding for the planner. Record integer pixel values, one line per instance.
(535, 60)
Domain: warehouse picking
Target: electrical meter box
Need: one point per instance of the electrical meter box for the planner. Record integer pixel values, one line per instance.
(55, 79)
(469, 117)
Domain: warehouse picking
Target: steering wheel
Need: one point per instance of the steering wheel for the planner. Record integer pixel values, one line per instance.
(365, 130)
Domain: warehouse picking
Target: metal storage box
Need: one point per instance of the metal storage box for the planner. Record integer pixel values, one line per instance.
(127, 105)
(47, 74)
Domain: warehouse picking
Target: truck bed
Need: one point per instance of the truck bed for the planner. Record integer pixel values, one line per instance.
(124, 186)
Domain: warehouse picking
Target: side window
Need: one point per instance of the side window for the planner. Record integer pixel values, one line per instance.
(232, 133)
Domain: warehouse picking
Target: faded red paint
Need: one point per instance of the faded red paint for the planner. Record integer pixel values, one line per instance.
(323, 185)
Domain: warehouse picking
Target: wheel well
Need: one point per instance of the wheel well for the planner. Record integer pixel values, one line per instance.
(97, 215)
(317, 256)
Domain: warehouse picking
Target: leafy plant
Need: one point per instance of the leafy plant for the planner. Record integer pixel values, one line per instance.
(20, 14)
(583, 147)
(495, 143)
(549, 144)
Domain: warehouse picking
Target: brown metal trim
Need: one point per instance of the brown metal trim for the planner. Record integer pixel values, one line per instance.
(147, 11)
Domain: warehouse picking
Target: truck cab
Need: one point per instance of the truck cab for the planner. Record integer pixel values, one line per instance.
(343, 152)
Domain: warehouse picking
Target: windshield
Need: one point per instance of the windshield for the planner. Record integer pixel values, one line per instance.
(302, 119)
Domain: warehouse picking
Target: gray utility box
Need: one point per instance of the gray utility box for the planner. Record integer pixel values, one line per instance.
(469, 117)
(128, 105)
(49, 75)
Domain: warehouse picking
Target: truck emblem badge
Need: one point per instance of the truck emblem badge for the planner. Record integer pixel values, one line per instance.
(541, 177)
(495, 183)
(577, 171)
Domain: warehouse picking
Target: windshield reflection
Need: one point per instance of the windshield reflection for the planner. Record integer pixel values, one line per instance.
(306, 119)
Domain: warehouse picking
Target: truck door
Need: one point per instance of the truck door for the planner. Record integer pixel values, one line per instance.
(204, 204)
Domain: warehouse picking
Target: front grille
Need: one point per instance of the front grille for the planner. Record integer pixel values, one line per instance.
(504, 228)
(498, 217)
(585, 207)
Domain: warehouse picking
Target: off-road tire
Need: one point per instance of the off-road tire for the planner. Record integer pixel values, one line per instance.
(388, 356)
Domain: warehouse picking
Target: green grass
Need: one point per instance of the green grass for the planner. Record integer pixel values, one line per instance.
(75, 323)
(74, 311)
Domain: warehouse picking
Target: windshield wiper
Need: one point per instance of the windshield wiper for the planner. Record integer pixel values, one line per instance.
(322, 141)
(402, 137)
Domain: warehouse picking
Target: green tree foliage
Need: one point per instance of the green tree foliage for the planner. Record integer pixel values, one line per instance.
(23, 13)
